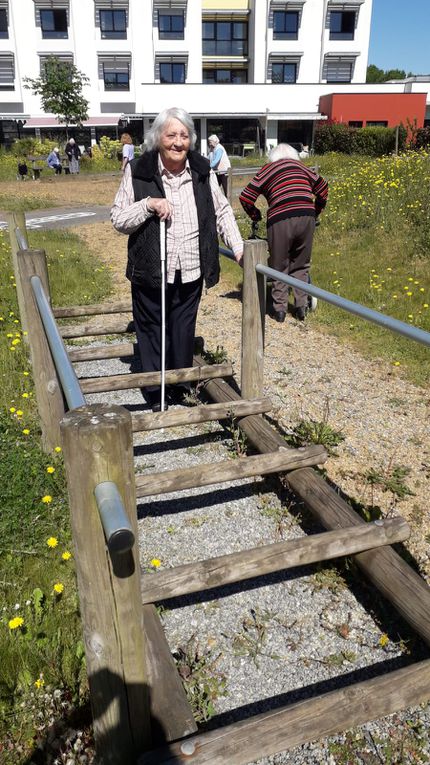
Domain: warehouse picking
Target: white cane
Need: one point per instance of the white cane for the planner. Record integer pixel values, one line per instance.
(163, 310)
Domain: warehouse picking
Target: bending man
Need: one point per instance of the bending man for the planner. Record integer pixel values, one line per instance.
(171, 182)
(296, 196)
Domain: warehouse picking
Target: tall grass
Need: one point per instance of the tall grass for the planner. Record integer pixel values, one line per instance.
(41, 652)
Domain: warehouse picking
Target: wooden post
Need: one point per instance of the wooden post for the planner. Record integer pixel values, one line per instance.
(98, 447)
(17, 220)
(48, 389)
(230, 185)
(253, 318)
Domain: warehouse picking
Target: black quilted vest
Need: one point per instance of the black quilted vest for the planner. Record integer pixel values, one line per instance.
(143, 264)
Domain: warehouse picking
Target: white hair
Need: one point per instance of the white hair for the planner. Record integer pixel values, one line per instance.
(213, 138)
(283, 151)
(161, 120)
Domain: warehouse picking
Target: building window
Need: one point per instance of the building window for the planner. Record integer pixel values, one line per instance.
(113, 24)
(285, 25)
(284, 72)
(377, 123)
(342, 25)
(115, 72)
(7, 71)
(225, 38)
(170, 25)
(53, 23)
(225, 76)
(62, 58)
(4, 32)
(355, 123)
(338, 71)
(172, 72)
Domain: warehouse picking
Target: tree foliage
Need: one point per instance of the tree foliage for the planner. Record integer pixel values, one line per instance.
(374, 74)
(60, 89)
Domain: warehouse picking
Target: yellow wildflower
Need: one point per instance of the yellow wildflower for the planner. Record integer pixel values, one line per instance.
(39, 683)
(57, 449)
(15, 623)
(26, 432)
(383, 640)
(47, 499)
(58, 588)
(66, 555)
(52, 542)
(156, 563)
(50, 469)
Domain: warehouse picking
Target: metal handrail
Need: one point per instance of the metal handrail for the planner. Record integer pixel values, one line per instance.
(21, 239)
(63, 365)
(395, 325)
(116, 524)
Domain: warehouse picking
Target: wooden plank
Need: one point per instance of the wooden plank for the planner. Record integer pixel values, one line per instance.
(393, 577)
(17, 220)
(228, 470)
(205, 413)
(112, 351)
(98, 447)
(253, 317)
(171, 713)
(66, 312)
(225, 569)
(49, 394)
(92, 329)
(285, 728)
(142, 379)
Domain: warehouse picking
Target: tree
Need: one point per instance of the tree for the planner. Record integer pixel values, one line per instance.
(374, 74)
(60, 89)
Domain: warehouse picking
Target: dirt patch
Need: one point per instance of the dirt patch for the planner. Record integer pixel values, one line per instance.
(67, 189)
(111, 247)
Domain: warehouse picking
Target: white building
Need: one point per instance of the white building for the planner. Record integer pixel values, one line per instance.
(250, 70)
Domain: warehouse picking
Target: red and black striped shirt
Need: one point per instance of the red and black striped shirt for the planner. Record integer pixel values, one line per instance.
(291, 189)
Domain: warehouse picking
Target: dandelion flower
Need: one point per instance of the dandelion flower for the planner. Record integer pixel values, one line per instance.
(396, 363)
(15, 623)
(66, 555)
(156, 563)
(26, 374)
(19, 412)
(50, 469)
(39, 683)
(57, 449)
(383, 640)
(25, 395)
(47, 499)
(26, 432)
(58, 588)
(52, 542)
(12, 409)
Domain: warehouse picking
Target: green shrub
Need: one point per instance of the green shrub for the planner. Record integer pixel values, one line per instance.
(369, 141)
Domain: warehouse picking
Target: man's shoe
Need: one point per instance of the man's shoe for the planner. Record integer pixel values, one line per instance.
(300, 313)
(153, 399)
(279, 316)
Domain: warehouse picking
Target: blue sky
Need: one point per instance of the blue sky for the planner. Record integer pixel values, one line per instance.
(400, 35)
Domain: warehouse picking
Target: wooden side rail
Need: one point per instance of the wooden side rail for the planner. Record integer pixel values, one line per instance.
(113, 351)
(287, 727)
(67, 312)
(142, 379)
(196, 414)
(228, 470)
(226, 569)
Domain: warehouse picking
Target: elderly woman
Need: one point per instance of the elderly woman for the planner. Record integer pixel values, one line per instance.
(127, 152)
(296, 196)
(173, 183)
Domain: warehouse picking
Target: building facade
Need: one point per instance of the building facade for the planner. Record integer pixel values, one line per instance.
(252, 71)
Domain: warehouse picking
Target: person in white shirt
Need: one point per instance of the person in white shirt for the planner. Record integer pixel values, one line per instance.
(127, 150)
(219, 161)
(171, 182)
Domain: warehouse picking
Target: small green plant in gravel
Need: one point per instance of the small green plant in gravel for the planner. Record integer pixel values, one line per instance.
(278, 513)
(328, 578)
(203, 682)
(308, 432)
(251, 639)
(237, 446)
(218, 356)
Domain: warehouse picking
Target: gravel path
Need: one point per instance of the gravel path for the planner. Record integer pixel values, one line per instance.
(318, 626)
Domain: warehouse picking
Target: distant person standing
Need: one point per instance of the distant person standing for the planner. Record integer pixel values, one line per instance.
(296, 196)
(127, 150)
(73, 154)
(219, 161)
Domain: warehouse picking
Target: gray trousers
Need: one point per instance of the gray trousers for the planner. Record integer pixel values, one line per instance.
(290, 247)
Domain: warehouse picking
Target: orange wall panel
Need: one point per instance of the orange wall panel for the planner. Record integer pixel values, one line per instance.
(394, 108)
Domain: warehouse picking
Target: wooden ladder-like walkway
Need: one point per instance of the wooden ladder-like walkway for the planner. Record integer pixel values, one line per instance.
(97, 442)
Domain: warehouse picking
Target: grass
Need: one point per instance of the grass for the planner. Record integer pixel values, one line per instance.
(41, 650)
(373, 248)
(24, 202)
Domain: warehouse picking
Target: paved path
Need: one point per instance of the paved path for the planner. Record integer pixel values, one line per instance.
(61, 217)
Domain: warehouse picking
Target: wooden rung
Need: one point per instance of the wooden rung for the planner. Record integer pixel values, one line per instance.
(91, 310)
(215, 572)
(145, 379)
(112, 351)
(287, 727)
(204, 413)
(170, 709)
(228, 470)
(113, 327)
